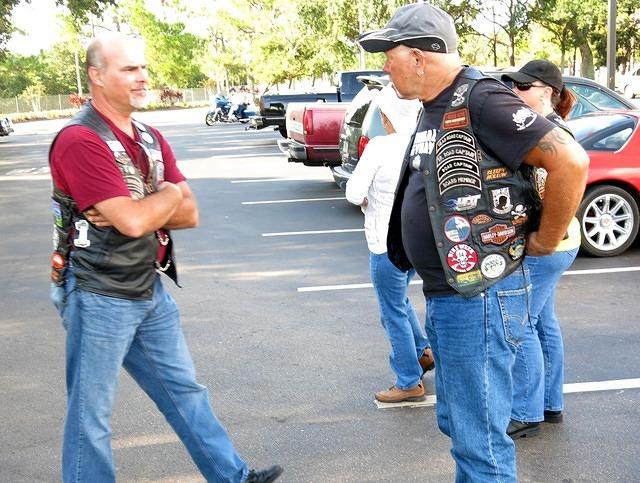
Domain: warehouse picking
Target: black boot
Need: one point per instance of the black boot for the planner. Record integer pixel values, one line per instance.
(265, 476)
(517, 429)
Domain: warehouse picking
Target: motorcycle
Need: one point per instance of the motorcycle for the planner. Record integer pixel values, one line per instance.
(6, 126)
(225, 111)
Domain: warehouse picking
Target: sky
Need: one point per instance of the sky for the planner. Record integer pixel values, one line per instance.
(38, 21)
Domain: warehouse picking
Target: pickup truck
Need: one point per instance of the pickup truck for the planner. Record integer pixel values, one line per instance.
(313, 131)
(273, 107)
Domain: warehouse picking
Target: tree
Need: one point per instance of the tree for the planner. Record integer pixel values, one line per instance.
(512, 17)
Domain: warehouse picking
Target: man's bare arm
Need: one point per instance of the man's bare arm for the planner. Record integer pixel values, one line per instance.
(186, 215)
(567, 167)
(136, 218)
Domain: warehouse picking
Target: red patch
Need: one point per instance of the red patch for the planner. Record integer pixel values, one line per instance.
(456, 119)
(462, 258)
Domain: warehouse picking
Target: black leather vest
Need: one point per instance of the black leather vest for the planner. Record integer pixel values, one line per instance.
(104, 260)
(480, 210)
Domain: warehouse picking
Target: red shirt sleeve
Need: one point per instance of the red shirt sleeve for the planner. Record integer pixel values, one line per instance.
(84, 167)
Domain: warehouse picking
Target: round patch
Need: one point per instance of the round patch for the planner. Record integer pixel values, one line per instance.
(462, 258)
(146, 137)
(493, 266)
(516, 249)
(457, 228)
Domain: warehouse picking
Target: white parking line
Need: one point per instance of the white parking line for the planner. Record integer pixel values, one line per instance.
(576, 387)
(291, 201)
(313, 232)
(325, 288)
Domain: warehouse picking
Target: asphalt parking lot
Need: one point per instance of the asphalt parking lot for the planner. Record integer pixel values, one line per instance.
(283, 327)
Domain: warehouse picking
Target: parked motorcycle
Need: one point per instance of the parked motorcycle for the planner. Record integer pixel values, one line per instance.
(6, 126)
(225, 111)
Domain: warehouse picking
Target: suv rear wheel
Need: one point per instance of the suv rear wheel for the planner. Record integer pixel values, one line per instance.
(608, 218)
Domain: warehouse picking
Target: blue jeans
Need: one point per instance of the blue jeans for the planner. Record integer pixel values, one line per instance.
(538, 385)
(406, 336)
(474, 342)
(105, 333)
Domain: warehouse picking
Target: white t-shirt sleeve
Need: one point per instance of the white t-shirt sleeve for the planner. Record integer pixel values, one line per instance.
(362, 177)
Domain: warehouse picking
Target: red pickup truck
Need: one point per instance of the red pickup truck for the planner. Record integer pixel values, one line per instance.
(313, 133)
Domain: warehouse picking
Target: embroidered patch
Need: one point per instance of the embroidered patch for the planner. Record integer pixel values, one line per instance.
(115, 146)
(463, 203)
(495, 173)
(498, 234)
(501, 201)
(462, 258)
(481, 219)
(457, 161)
(456, 119)
(540, 179)
(519, 214)
(82, 230)
(459, 95)
(523, 118)
(457, 228)
(493, 266)
(470, 278)
(146, 137)
(516, 249)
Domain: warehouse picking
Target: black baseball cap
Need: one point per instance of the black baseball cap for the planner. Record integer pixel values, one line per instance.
(541, 70)
(419, 25)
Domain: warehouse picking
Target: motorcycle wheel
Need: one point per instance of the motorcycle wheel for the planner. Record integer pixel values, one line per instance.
(210, 119)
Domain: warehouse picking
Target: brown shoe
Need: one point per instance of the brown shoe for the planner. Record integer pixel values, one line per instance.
(427, 362)
(395, 395)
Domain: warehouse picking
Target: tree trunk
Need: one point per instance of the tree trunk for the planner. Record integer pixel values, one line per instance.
(586, 66)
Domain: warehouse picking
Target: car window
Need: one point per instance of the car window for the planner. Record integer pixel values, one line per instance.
(373, 122)
(614, 141)
(596, 97)
(359, 105)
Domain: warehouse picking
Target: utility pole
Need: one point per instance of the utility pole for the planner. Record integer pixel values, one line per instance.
(611, 45)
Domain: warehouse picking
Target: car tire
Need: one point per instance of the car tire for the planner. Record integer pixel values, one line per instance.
(608, 217)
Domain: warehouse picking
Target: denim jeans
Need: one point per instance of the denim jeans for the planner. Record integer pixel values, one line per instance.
(474, 341)
(539, 386)
(145, 336)
(406, 336)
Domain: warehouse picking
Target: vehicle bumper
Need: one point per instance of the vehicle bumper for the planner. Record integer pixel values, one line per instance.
(340, 176)
(260, 122)
(297, 152)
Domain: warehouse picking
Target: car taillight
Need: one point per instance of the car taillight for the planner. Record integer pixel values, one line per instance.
(307, 122)
(362, 143)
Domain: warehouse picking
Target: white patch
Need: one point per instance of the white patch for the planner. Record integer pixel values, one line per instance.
(82, 227)
(501, 201)
(146, 137)
(523, 118)
(493, 266)
(458, 95)
(139, 125)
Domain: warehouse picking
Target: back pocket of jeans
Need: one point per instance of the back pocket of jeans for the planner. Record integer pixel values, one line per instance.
(515, 313)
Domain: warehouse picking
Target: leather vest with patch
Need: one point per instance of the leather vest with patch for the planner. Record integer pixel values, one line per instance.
(104, 260)
(480, 210)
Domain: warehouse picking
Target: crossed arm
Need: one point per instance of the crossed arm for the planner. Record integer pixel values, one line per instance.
(172, 207)
(567, 167)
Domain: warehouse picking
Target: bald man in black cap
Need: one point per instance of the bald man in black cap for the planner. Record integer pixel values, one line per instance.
(466, 209)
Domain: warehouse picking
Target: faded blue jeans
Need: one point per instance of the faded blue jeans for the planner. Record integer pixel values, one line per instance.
(106, 333)
(406, 335)
(538, 385)
(474, 341)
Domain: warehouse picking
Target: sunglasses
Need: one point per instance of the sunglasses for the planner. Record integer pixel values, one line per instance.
(524, 86)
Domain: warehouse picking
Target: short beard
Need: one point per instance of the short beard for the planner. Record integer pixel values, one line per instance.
(140, 102)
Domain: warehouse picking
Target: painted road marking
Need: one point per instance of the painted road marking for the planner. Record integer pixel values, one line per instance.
(272, 180)
(313, 232)
(325, 288)
(291, 201)
(574, 388)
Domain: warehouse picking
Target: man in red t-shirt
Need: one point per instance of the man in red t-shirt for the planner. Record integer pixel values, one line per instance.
(117, 193)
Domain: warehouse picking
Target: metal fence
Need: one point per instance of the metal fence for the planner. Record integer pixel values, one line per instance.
(22, 105)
